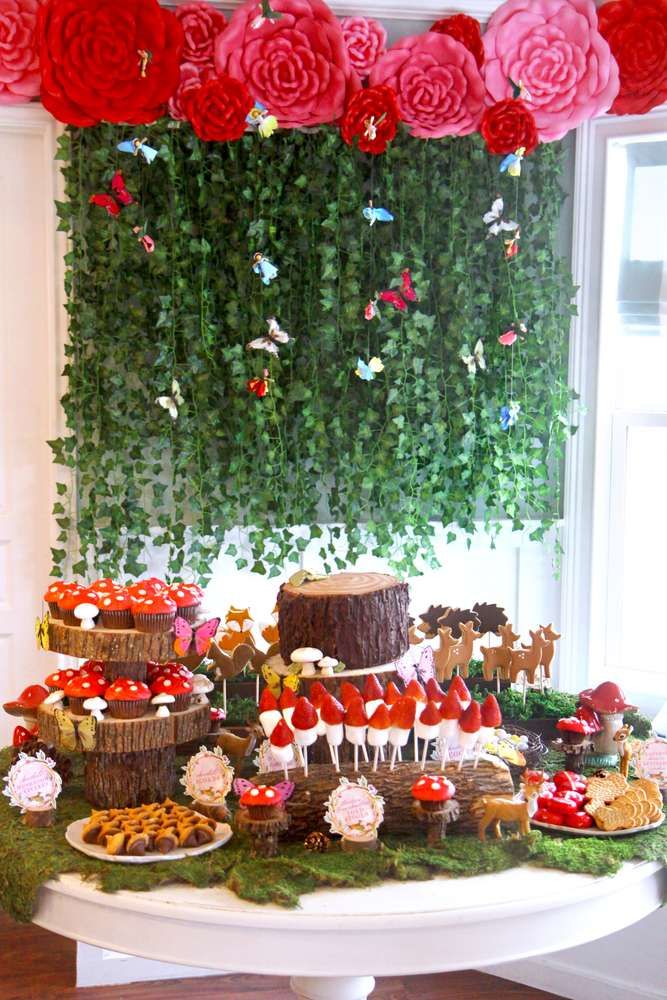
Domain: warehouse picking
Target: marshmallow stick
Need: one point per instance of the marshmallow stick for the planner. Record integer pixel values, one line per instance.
(444, 753)
(333, 755)
(424, 755)
(498, 681)
(525, 686)
(376, 754)
(257, 688)
(224, 694)
(364, 752)
(463, 754)
(416, 745)
(356, 756)
(381, 749)
(285, 772)
(393, 756)
(337, 758)
(400, 755)
(304, 754)
(478, 750)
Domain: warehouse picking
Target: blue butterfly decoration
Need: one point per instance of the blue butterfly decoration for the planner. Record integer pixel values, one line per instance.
(373, 215)
(137, 146)
(368, 371)
(509, 415)
(262, 266)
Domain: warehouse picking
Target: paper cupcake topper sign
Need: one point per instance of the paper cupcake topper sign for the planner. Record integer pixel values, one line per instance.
(32, 783)
(355, 810)
(208, 776)
(650, 760)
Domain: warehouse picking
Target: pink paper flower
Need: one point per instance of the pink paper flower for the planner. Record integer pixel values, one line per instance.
(439, 86)
(298, 65)
(192, 77)
(201, 24)
(366, 41)
(554, 48)
(19, 59)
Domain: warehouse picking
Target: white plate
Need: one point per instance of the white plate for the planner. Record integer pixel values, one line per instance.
(223, 833)
(595, 832)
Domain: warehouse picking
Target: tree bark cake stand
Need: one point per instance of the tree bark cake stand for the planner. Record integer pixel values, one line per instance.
(133, 760)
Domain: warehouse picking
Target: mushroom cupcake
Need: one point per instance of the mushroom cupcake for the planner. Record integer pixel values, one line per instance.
(262, 802)
(68, 598)
(174, 684)
(92, 667)
(127, 698)
(116, 609)
(188, 602)
(154, 614)
(59, 678)
(82, 687)
(51, 596)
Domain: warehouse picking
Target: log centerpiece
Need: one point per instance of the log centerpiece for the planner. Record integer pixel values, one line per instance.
(360, 619)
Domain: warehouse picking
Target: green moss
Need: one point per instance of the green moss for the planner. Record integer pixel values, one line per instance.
(28, 858)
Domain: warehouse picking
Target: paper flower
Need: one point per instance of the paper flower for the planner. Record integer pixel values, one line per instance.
(637, 34)
(366, 40)
(439, 87)
(508, 125)
(464, 29)
(201, 24)
(555, 49)
(192, 77)
(19, 58)
(217, 110)
(371, 117)
(115, 60)
(297, 66)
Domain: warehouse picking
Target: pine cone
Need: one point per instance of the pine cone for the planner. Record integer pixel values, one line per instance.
(317, 841)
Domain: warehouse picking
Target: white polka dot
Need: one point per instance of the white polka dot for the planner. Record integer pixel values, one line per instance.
(166, 683)
(270, 793)
(133, 687)
(86, 684)
(436, 786)
(148, 602)
(180, 593)
(255, 791)
(106, 601)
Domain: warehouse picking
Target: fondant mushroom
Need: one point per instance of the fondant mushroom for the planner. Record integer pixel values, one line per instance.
(55, 698)
(27, 702)
(608, 702)
(306, 657)
(326, 665)
(201, 685)
(96, 707)
(86, 613)
(163, 701)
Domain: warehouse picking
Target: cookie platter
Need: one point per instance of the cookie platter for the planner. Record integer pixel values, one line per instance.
(73, 836)
(594, 832)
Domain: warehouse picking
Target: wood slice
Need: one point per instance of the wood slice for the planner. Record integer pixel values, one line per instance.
(306, 806)
(122, 736)
(111, 644)
(117, 780)
(358, 618)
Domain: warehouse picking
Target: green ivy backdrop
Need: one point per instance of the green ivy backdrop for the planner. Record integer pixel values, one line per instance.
(381, 461)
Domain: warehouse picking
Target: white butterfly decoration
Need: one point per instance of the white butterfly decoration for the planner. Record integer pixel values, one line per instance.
(476, 360)
(172, 403)
(270, 342)
(495, 221)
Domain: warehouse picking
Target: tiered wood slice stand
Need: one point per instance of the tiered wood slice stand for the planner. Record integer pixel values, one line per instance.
(134, 759)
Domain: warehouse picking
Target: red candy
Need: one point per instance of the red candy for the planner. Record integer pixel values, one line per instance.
(546, 816)
(579, 820)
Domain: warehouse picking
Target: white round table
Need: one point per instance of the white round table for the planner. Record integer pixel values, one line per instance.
(397, 928)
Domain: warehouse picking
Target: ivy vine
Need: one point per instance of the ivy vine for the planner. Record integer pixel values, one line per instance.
(370, 466)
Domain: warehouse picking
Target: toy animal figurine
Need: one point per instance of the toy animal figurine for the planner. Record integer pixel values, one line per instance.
(454, 652)
(527, 660)
(497, 658)
(622, 741)
(236, 747)
(493, 811)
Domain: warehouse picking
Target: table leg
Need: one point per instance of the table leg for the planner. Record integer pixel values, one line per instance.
(332, 987)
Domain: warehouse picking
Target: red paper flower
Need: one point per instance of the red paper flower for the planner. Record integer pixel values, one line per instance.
(19, 61)
(439, 87)
(637, 34)
(201, 24)
(507, 125)
(366, 41)
(371, 116)
(217, 110)
(297, 66)
(464, 29)
(192, 77)
(113, 60)
(554, 49)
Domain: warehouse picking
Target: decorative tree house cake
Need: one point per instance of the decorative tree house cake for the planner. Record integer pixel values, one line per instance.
(361, 619)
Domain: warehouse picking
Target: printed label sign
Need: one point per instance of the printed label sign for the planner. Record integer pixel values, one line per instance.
(32, 783)
(355, 810)
(208, 776)
(650, 760)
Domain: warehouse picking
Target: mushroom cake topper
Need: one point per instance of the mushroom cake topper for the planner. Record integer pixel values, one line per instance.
(491, 617)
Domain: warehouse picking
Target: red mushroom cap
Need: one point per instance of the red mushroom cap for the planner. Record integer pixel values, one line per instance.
(355, 714)
(459, 685)
(59, 678)
(331, 711)
(491, 714)
(451, 707)
(380, 718)
(115, 600)
(471, 720)
(402, 714)
(51, 594)
(372, 689)
(267, 701)
(86, 686)
(348, 692)
(171, 684)
(573, 725)
(218, 714)
(21, 735)
(317, 693)
(304, 715)
(156, 604)
(127, 689)
(71, 598)
(607, 699)
(104, 585)
(415, 690)
(589, 717)
(92, 667)
(433, 788)
(287, 699)
(30, 697)
(391, 694)
(142, 589)
(184, 596)
(261, 795)
(281, 734)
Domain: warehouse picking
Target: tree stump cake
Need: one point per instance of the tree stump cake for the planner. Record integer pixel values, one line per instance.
(360, 619)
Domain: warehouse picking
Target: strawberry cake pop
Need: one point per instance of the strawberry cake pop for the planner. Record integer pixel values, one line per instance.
(427, 727)
(402, 718)
(378, 732)
(433, 690)
(470, 724)
(281, 743)
(373, 694)
(332, 715)
(348, 692)
(318, 693)
(415, 691)
(356, 722)
(304, 722)
(491, 718)
(269, 713)
(391, 694)
(451, 710)
(287, 704)
(459, 685)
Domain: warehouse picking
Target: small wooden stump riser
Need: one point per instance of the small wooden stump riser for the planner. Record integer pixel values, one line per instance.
(118, 780)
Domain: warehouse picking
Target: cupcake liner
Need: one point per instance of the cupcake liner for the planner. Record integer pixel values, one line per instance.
(117, 619)
(154, 623)
(54, 610)
(76, 705)
(69, 619)
(190, 613)
(263, 812)
(124, 708)
(181, 702)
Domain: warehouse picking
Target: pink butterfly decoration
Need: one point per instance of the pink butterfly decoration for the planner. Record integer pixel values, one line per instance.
(394, 299)
(407, 287)
(371, 310)
(242, 785)
(508, 337)
(422, 671)
(186, 636)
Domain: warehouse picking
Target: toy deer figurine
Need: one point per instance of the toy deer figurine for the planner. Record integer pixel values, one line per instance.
(527, 660)
(497, 658)
(622, 741)
(454, 652)
(492, 811)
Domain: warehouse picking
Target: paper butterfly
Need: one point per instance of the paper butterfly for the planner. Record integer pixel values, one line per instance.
(270, 342)
(371, 310)
(394, 299)
(119, 198)
(509, 415)
(267, 13)
(495, 221)
(68, 731)
(519, 92)
(406, 286)
(137, 146)
(147, 242)
(423, 670)
(200, 638)
(305, 576)
(242, 785)
(512, 245)
(276, 683)
(42, 631)
(171, 403)
(262, 266)
(512, 162)
(367, 372)
(476, 360)
(259, 119)
(259, 385)
(510, 335)
(373, 215)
